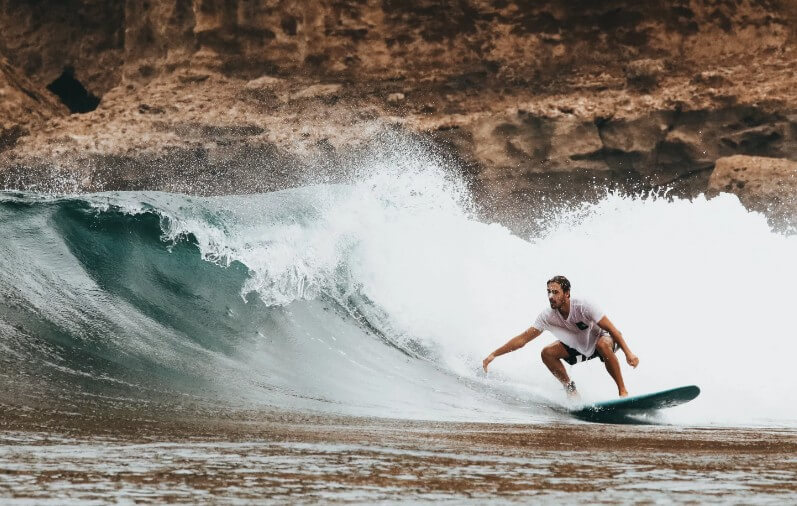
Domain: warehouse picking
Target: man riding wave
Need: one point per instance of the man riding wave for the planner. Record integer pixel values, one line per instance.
(583, 333)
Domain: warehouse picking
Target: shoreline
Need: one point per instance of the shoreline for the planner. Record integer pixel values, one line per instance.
(315, 458)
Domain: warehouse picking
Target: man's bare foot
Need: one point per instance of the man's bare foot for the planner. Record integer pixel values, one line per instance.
(623, 393)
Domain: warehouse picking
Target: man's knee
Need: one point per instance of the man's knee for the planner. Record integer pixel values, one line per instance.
(605, 346)
(551, 352)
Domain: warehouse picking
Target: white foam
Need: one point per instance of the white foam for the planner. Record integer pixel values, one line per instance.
(702, 290)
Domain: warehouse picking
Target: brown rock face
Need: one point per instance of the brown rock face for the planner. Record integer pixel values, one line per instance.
(21, 104)
(534, 99)
(42, 38)
(762, 184)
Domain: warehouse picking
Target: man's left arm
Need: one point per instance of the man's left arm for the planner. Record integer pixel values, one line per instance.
(609, 327)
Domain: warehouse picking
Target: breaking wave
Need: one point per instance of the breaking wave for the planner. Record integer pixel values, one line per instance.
(380, 297)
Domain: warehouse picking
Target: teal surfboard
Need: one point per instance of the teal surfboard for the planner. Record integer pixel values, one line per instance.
(623, 409)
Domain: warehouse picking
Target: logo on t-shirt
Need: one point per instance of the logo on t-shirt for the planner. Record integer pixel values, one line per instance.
(582, 325)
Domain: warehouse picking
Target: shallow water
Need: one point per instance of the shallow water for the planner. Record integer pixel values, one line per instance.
(359, 460)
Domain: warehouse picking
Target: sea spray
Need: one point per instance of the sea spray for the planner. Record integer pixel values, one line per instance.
(701, 290)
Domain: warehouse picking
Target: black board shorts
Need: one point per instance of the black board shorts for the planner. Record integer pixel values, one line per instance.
(574, 356)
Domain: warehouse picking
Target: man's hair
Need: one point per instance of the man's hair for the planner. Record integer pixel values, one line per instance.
(563, 282)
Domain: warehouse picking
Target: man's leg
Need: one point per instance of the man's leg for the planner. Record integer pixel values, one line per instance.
(605, 349)
(552, 356)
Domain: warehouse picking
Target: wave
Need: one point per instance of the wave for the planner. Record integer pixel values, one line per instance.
(380, 297)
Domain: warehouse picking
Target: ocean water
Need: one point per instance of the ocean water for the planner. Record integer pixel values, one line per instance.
(380, 296)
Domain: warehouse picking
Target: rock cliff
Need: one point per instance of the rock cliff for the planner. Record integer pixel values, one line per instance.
(534, 99)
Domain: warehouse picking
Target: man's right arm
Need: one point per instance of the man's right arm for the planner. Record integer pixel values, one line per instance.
(513, 344)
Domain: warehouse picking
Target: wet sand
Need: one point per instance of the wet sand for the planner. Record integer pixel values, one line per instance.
(292, 458)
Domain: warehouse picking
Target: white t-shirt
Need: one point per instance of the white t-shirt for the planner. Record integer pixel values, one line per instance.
(580, 331)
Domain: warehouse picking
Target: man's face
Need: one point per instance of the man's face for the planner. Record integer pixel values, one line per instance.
(556, 296)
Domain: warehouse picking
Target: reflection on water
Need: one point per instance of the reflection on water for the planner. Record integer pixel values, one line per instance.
(394, 461)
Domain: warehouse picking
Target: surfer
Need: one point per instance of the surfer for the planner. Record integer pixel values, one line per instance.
(583, 333)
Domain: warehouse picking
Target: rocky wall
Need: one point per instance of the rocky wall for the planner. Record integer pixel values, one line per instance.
(533, 99)
(766, 185)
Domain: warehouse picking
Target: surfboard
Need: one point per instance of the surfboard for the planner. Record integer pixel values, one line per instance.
(622, 410)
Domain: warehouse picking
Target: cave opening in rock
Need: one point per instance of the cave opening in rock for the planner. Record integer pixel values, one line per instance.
(72, 93)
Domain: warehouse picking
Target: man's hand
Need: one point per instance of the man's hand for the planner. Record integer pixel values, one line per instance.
(512, 345)
(632, 359)
(487, 361)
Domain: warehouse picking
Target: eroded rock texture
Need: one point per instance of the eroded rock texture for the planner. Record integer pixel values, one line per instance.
(534, 99)
(767, 185)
